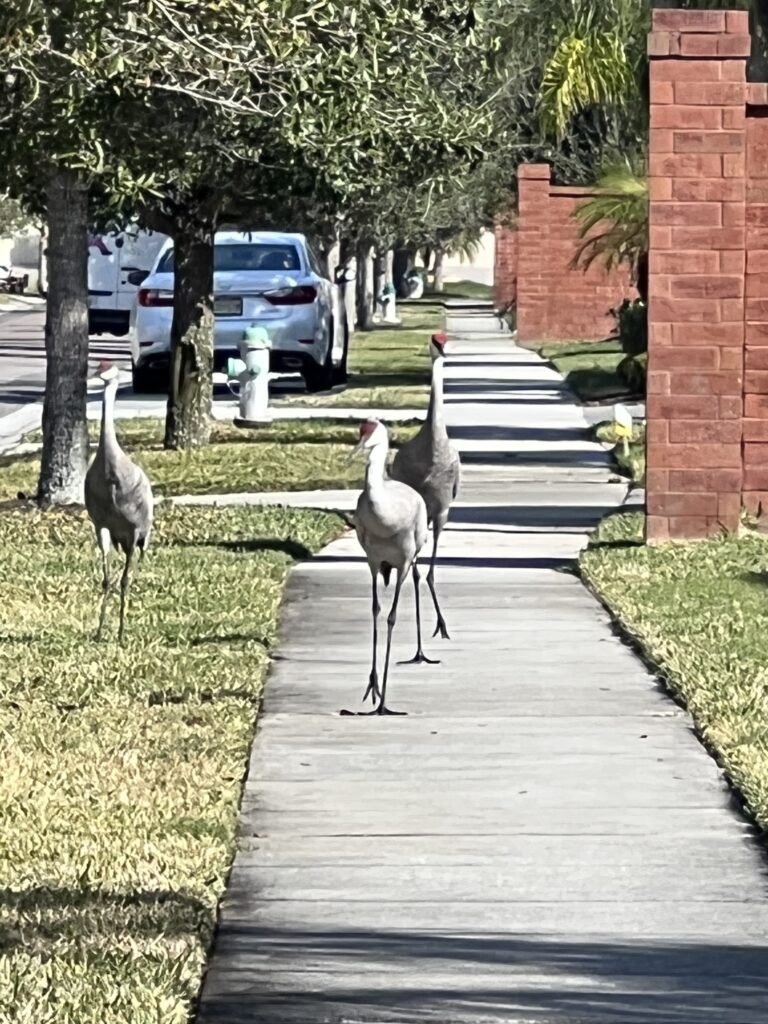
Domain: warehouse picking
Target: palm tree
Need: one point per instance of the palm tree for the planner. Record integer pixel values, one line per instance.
(614, 223)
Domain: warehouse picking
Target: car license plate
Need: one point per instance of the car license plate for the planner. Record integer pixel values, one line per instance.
(228, 307)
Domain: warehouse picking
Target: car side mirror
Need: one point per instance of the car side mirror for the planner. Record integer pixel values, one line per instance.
(137, 277)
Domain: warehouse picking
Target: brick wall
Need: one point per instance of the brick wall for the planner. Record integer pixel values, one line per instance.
(555, 301)
(505, 264)
(696, 468)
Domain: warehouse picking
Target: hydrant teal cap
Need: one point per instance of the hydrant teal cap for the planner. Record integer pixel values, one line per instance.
(257, 336)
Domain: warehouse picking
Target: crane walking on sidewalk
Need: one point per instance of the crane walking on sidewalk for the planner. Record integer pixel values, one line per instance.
(429, 463)
(391, 525)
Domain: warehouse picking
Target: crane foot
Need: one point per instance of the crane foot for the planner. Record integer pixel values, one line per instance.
(382, 710)
(442, 629)
(373, 689)
(420, 658)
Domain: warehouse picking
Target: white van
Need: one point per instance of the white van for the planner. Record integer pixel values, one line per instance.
(111, 258)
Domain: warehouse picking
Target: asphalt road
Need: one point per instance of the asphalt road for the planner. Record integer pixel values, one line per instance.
(22, 357)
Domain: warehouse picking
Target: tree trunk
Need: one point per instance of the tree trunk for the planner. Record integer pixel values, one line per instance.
(364, 286)
(65, 427)
(379, 273)
(389, 267)
(188, 417)
(438, 284)
(404, 260)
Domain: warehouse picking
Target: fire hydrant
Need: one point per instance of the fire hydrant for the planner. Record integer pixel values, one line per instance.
(251, 372)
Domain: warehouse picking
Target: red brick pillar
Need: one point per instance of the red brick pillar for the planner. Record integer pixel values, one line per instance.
(533, 182)
(696, 287)
(504, 263)
(756, 312)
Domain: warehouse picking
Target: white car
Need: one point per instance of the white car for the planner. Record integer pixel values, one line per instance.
(261, 279)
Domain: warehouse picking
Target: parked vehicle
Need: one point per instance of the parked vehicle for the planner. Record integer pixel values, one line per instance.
(13, 281)
(261, 279)
(112, 259)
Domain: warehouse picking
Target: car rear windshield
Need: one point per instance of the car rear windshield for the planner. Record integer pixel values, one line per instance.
(245, 257)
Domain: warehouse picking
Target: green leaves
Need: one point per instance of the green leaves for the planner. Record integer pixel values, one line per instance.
(614, 222)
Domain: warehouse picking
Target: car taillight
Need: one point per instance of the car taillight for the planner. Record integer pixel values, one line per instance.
(154, 297)
(291, 296)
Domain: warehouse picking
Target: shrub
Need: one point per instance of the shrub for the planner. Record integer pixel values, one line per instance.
(633, 371)
(632, 326)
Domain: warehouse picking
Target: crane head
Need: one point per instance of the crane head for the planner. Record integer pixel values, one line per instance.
(372, 434)
(437, 345)
(105, 372)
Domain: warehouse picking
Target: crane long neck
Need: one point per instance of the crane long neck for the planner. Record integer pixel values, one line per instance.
(377, 463)
(108, 438)
(435, 411)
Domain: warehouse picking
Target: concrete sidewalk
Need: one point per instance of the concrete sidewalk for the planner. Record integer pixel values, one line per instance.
(543, 839)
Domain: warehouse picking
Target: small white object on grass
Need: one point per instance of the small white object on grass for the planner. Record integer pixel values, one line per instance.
(623, 423)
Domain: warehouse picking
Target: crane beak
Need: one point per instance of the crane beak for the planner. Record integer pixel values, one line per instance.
(357, 450)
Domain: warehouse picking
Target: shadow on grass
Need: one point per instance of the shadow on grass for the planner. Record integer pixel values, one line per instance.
(48, 915)
(252, 546)
(231, 638)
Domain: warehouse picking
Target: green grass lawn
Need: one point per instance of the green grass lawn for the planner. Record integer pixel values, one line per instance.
(463, 290)
(121, 767)
(389, 367)
(293, 455)
(698, 611)
(589, 368)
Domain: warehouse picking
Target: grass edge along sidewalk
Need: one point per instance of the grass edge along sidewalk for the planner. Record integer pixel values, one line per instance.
(697, 611)
(121, 768)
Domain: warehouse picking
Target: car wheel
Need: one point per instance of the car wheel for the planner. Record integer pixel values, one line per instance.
(147, 381)
(340, 375)
(320, 378)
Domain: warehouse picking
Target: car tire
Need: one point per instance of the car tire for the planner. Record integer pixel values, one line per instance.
(320, 378)
(340, 375)
(147, 381)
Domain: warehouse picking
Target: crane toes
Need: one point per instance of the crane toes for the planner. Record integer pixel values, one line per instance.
(420, 658)
(442, 629)
(373, 689)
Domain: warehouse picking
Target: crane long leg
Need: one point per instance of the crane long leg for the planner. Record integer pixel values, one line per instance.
(441, 627)
(419, 657)
(373, 681)
(382, 708)
(105, 546)
(125, 582)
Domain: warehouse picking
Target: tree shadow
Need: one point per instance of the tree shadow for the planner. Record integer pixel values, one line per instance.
(476, 977)
(285, 545)
(44, 916)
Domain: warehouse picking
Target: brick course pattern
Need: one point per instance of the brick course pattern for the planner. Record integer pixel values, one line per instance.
(704, 215)
(555, 301)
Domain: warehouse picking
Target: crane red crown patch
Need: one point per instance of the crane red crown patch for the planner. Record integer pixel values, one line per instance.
(439, 340)
(105, 365)
(367, 427)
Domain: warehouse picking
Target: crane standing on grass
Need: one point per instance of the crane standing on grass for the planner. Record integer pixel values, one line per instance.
(118, 498)
(429, 463)
(391, 525)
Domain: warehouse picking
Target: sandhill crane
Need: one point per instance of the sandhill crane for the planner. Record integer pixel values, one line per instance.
(391, 525)
(118, 497)
(429, 463)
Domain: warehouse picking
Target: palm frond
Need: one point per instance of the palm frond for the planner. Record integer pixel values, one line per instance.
(613, 223)
(589, 67)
